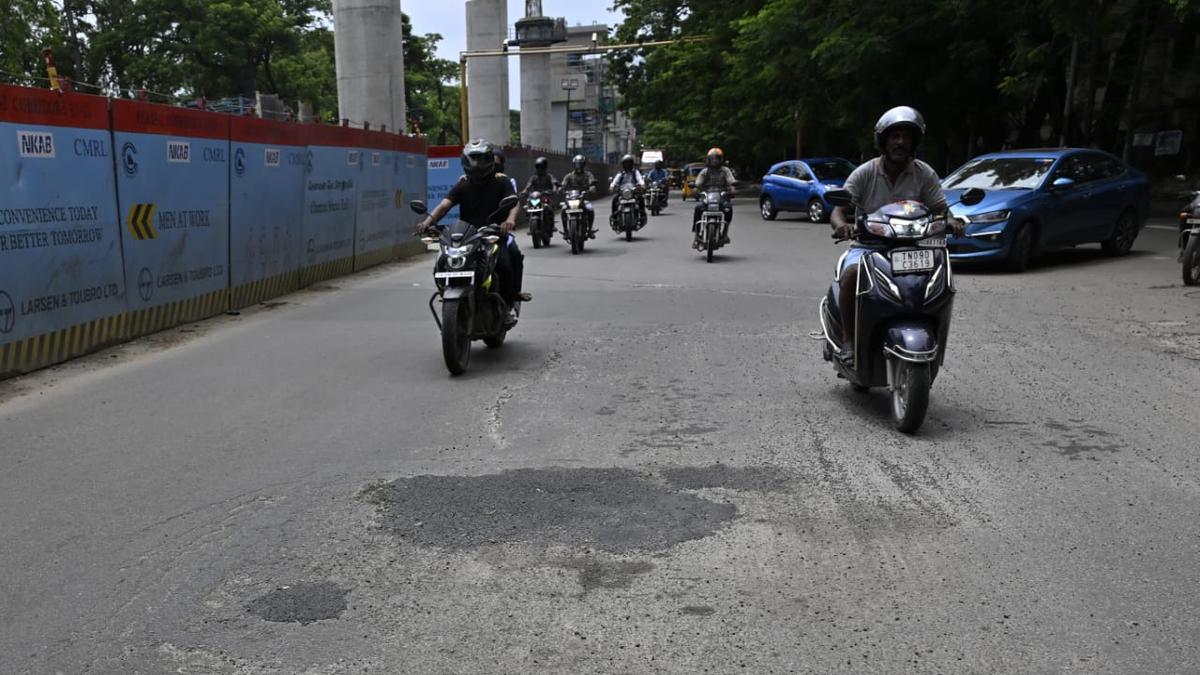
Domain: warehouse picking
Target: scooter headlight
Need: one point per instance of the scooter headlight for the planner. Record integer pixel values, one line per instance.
(909, 229)
(879, 229)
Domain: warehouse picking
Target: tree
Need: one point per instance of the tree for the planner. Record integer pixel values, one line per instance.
(26, 27)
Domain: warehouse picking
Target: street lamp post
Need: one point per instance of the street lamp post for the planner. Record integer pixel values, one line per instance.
(569, 84)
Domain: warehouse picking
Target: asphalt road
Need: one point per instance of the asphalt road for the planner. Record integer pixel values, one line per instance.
(656, 474)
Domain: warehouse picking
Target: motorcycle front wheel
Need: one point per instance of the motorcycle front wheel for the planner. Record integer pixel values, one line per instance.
(910, 396)
(456, 335)
(1191, 262)
(711, 244)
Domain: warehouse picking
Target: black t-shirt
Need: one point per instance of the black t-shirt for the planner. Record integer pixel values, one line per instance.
(477, 201)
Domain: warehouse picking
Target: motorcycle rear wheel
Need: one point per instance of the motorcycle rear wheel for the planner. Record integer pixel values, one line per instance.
(910, 396)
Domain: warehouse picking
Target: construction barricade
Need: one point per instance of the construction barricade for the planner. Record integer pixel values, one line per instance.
(266, 208)
(173, 198)
(62, 286)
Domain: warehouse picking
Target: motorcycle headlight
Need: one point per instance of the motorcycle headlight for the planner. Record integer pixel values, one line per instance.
(459, 251)
(991, 217)
(909, 229)
(879, 229)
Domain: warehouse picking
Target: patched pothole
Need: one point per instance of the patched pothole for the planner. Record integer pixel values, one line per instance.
(302, 603)
(614, 510)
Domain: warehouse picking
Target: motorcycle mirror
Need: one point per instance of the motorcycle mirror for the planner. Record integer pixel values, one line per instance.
(839, 197)
(972, 197)
(506, 205)
(418, 206)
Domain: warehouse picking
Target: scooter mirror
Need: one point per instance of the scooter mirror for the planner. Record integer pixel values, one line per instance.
(418, 206)
(839, 197)
(972, 197)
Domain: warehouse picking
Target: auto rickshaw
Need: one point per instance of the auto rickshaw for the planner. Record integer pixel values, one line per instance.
(690, 171)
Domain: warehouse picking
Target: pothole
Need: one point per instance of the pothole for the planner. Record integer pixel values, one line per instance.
(301, 603)
(615, 510)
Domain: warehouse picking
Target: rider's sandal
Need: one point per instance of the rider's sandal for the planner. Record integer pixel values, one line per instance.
(524, 297)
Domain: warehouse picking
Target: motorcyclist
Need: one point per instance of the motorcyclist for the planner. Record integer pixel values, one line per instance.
(714, 176)
(500, 168)
(542, 180)
(581, 179)
(896, 175)
(478, 194)
(629, 177)
(659, 175)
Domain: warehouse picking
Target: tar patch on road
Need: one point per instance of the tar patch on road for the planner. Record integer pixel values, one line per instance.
(595, 573)
(301, 603)
(614, 510)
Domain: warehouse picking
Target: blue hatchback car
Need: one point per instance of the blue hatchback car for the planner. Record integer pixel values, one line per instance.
(1043, 199)
(800, 185)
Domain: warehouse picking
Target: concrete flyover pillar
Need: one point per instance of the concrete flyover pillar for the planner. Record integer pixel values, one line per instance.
(535, 100)
(370, 62)
(487, 77)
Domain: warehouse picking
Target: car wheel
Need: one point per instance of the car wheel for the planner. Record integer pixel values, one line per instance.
(816, 210)
(1122, 238)
(766, 207)
(1021, 251)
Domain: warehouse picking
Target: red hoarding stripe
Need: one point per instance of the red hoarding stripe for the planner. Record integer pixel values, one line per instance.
(151, 118)
(23, 105)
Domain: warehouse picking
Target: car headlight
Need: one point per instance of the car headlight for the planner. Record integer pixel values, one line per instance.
(909, 229)
(991, 216)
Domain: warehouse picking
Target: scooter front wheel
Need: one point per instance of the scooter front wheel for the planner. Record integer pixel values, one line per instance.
(910, 395)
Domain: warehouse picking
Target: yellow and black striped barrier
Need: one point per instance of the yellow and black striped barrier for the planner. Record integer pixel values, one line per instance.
(41, 351)
(161, 317)
(255, 292)
(326, 270)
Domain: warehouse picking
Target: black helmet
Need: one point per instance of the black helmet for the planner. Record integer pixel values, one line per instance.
(658, 164)
(900, 117)
(499, 160)
(627, 162)
(579, 162)
(478, 159)
(541, 164)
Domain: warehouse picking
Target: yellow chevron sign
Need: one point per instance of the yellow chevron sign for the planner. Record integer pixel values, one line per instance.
(141, 221)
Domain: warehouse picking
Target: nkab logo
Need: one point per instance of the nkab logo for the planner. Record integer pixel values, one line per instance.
(179, 151)
(435, 164)
(36, 144)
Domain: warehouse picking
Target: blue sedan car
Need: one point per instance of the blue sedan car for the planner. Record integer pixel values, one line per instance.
(1042, 199)
(800, 185)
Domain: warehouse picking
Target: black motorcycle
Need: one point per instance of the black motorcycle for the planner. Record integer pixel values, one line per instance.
(711, 224)
(628, 218)
(902, 305)
(575, 220)
(656, 197)
(467, 286)
(539, 208)
(1189, 241)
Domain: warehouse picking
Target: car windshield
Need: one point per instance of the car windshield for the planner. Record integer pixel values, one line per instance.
(834, 169)
(1000, 173)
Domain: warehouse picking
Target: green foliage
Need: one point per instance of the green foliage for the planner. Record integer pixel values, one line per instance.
(26, 27)
(979, 70)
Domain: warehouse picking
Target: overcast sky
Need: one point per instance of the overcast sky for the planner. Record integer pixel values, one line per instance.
(449, 18)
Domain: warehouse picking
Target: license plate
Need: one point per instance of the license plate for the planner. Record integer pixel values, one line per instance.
(912, 261)
(454, 275)
(933, 242)
(1193, 221)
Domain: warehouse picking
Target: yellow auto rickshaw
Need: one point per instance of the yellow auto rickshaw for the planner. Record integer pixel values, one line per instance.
(690, 171)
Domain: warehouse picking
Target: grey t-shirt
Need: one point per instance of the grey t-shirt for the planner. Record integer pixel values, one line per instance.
(871, 188)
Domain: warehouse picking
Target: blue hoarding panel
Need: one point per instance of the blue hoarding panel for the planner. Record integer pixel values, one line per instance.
(60, 248)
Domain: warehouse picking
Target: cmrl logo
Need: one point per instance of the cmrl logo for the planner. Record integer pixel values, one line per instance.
(39, 144)
(179, 152)
(435, 164)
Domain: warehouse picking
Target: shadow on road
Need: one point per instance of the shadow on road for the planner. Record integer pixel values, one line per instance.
(1079, 258)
